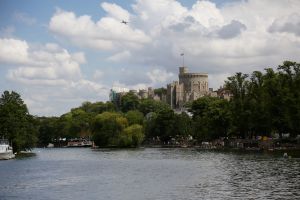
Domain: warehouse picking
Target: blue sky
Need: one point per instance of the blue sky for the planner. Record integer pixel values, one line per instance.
(58, 54)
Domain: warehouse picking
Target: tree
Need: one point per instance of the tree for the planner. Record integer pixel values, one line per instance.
(258, 105)
(134, 117)
(164, 124)
(183, 125)
(149, 105)
(48, 130)
(211, 118)
(289, 76)
(107, 127)
(16, 123)
(97, 107)
(80, 123)
(238, 86)
(129, 101)
(132, 136)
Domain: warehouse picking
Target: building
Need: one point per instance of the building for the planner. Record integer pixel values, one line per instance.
(190, 87)
(224, 94)
(116, 94)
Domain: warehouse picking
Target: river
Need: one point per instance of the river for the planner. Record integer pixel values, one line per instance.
(154, 174)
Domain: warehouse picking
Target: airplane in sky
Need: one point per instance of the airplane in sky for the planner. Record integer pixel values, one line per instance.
(124, 22)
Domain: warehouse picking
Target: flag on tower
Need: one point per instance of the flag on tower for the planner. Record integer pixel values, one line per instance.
(182, 54)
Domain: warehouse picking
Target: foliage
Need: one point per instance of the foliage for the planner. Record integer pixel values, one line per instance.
(182, 125)
(16, 123)
(211, 118)
(132, 136)
(149, 105)
(134, 117)
(162, 125)
(129, 101)
(98, 107)
(160, 91)
(239, 85)
(266, 103)
(48, 130)
(107, 127)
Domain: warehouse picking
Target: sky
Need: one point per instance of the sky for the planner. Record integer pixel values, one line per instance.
(58, 54)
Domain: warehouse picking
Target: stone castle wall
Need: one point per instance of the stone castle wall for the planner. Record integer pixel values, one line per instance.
(190, 87)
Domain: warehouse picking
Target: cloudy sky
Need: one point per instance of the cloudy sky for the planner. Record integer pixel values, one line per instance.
(58, 54)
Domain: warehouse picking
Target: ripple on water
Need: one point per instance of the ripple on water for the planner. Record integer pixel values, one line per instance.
(149, 174)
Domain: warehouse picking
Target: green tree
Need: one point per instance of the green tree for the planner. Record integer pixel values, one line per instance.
(107, 127)
(134, 117)
(129, 101)
(258, 104)
(80, 123)
(211, 118)
(164, 124)
(149, 124)
(183, 125)
(97, 107)
(238, 86)
(289, 76)
(16, 123)
(132, 136)
(48, 130)
(149, 105)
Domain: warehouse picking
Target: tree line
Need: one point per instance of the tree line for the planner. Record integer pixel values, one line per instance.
(262, 104)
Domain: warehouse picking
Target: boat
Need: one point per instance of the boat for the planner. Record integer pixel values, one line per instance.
(6, 151)
(80, 143)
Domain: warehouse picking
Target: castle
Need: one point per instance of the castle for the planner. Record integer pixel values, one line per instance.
(190, 87)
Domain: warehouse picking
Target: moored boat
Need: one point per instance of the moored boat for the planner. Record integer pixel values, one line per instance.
(80, 143)
(6, 151)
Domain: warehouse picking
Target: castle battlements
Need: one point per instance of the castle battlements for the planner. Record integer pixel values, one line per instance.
(190, 87)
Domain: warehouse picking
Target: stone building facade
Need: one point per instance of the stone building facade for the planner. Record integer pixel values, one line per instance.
(190, 87)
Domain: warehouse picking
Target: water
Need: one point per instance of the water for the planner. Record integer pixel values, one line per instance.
(156, 174)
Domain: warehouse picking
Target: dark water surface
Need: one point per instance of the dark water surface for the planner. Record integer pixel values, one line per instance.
(156, 174)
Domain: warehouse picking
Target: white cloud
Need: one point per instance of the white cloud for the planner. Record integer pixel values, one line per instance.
(49, 76)
(49, 64)
(122, 56)
(79, 57)
(159, 76)
(50, 101)
(207, 14)
(115, 11)
(125, 87)
(108, 33)
(98, 75)
(13, 51)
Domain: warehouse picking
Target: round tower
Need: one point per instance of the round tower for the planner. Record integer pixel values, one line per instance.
(183, 70)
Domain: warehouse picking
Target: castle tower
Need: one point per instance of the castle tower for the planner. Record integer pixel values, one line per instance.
(190, 87)
(183, 70)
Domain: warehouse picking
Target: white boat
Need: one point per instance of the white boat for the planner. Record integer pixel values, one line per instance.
(6, 151)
